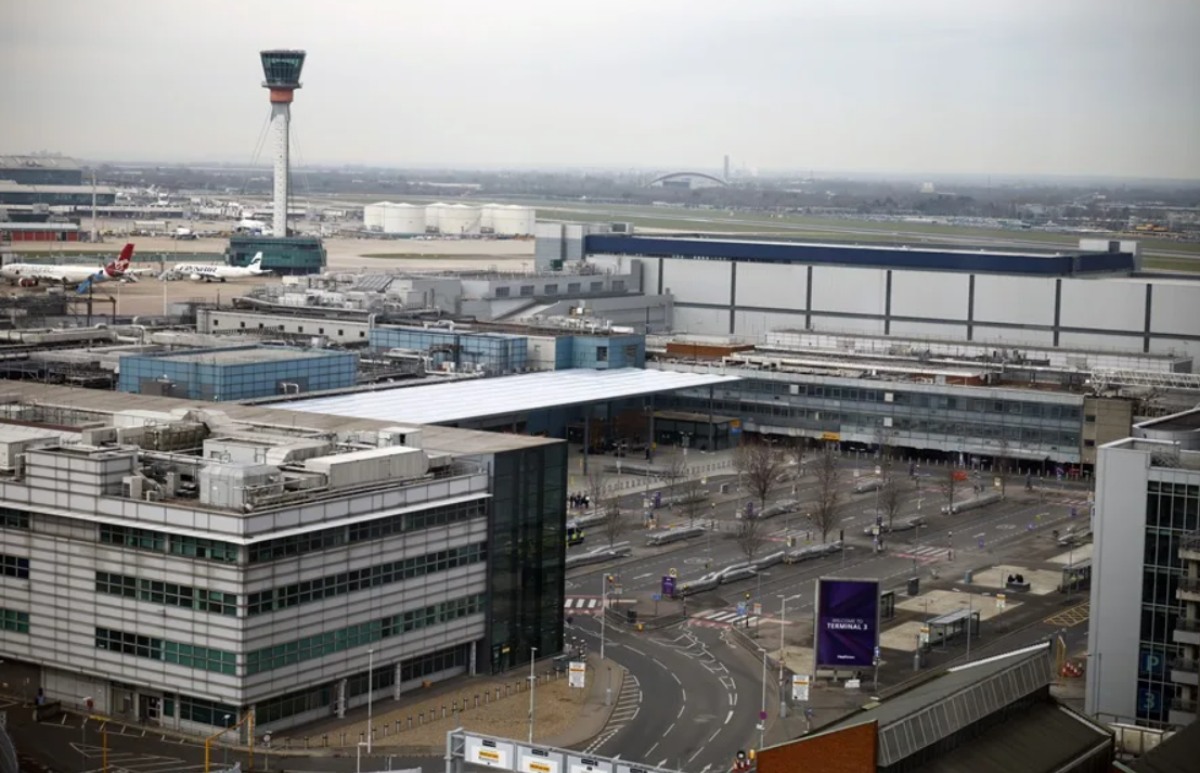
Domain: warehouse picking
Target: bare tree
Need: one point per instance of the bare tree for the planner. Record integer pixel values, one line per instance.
(672, 471)
(597, 484)
(890, 497)
(750, 535)
(951, 486)
(824, 514)
(763, 468)
(1001, 466)
(614, 522)
(693, 500)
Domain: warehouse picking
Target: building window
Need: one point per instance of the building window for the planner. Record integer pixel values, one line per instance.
(380, 528)
(618, 285)
(198, 547)
(154, 648)
(601, 354)
(329, 642)
(1089, 443)
(14, 566)
(596, 286)
(502, 292)
(526, 290)
(168, 593)
(14, 621)
(341, 332)
(13, 519)
(551, 290)
(573, 287)
(340, 584)
(204, 712)
(216, 322)
(1090, 418)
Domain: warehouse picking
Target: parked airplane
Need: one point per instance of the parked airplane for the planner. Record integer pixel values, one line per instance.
(33, 274)
(218, 272)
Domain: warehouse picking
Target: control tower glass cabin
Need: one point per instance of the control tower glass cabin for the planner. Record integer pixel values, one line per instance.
(281, 70)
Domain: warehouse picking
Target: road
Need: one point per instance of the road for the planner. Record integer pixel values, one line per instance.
(689, 702)
(683, 674)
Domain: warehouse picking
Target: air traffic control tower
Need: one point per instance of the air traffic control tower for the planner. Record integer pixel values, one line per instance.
(281, 74)
(282, 254)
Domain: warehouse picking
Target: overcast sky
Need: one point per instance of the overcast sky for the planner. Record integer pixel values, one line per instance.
(1095, 87)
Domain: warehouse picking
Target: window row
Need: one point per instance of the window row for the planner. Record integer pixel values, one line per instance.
(323, 539)
(14, 566)
(176, 544)
(201, 711)
(359, 579)
(329, 642)
(11, 518)
(913, 399)
(12, 620)
(318, 698)
(154, 648)
(169, 593)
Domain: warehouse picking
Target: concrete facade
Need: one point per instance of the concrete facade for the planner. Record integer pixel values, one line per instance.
(1147, 505)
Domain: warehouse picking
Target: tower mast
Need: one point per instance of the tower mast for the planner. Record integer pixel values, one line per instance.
(281, 73)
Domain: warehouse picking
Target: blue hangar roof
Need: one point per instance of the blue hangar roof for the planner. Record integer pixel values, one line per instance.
(863, 256)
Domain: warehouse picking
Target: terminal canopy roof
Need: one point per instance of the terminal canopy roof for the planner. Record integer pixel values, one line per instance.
(505, 395)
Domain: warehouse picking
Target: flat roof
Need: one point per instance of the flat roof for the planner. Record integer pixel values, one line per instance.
(11, 186)
(240, 356)
(480, 398)
(446, 439)
(1176, 422)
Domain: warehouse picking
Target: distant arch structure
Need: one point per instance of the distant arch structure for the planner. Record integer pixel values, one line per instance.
(663, 178)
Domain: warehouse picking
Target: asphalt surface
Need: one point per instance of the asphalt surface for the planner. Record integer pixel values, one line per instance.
(698, 698)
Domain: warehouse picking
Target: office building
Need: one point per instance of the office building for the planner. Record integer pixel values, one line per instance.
(237, 373)
(1141, 632)
(184, 563)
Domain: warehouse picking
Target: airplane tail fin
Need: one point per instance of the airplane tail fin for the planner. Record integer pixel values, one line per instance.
(121, 264)
(256, 261)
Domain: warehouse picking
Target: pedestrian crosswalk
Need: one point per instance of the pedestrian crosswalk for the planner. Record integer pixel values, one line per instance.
(724, 618)
(923, 554)
(582, 605)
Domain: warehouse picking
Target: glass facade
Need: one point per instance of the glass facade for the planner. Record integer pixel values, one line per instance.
(368, 577)
(282, 68)
(1172, 511)
(528, 553)
(14, 621)
(329, 642)
(322, 697)
(178, 544)
(496, 353)
(154, 648)
(205, 376)
(919, 418)
(167, 593)
(324, 539)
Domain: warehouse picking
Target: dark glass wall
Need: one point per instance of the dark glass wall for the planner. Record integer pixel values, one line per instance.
(1172, 512)
(528, 555)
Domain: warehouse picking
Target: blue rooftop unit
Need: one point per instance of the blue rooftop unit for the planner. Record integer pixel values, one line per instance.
(495, 353)
(1071, 263)
(237, 373)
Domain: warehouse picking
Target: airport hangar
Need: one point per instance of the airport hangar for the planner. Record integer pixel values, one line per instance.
(1092, 298)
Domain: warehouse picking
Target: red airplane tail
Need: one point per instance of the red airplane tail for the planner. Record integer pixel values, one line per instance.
(121, 264)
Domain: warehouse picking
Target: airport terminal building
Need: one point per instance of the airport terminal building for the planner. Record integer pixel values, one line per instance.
(183, 563)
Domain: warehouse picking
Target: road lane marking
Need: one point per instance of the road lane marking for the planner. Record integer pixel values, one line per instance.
(667, 731)
(729, 716)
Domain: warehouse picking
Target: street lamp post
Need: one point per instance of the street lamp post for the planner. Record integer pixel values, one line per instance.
(370, 694)
(782, 646)
(532, 685)
(762, 714)
(603, 610)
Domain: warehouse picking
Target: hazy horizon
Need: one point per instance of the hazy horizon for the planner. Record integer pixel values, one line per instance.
(1079, 88)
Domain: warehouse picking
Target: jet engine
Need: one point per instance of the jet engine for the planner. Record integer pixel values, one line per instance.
(27, 281)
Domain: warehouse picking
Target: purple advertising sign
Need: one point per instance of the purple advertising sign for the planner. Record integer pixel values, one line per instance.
(668, 586)
(847, 623)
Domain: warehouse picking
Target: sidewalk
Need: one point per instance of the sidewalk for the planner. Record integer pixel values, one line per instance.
(417, 724)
